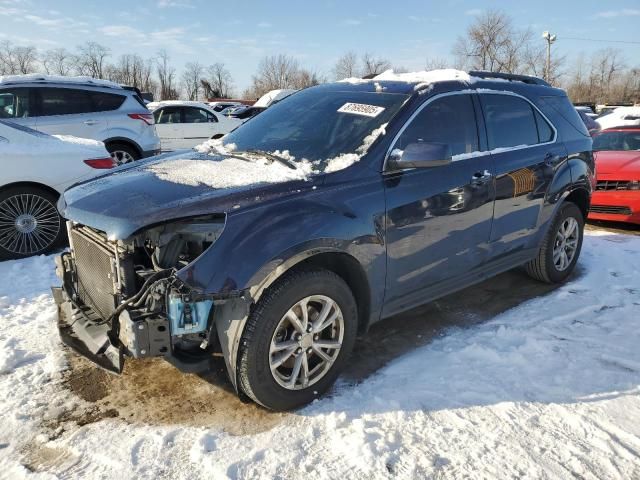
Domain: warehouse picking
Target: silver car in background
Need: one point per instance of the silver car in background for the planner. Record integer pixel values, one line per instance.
(83, 107)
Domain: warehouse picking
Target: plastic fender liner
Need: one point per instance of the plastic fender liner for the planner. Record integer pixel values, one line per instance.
(230, 317)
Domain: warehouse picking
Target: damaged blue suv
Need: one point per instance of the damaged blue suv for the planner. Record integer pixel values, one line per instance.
(344, 204)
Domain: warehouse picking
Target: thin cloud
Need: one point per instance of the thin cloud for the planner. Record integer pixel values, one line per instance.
(351, 22)
(174, 3)
(474, 11)
(625, 12)
(264, 25)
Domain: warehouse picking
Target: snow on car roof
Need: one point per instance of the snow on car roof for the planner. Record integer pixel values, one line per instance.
(183, 103)
(37, 77)
(422, 78)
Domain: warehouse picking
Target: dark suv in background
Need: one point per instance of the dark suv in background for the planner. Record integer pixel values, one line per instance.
(393, 193)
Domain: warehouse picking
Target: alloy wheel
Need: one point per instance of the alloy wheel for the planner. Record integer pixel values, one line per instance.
(306, 342)
(566, 243)
(120, 157)
(28, 224)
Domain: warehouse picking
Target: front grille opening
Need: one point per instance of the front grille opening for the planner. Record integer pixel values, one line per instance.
(95, 273)
(613, 185)
(610, 209)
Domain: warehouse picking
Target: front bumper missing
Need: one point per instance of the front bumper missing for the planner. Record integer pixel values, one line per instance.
(80, 330)
(106, 344)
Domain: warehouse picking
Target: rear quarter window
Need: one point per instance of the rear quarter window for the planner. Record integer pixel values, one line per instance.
(104, 102)
(561, 105)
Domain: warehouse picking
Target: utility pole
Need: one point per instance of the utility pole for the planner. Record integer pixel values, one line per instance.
(550, 39)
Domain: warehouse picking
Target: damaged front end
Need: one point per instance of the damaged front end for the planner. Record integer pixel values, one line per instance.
(124, 297)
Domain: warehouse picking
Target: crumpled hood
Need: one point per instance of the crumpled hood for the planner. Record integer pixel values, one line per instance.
(176, 186)
(618, 162)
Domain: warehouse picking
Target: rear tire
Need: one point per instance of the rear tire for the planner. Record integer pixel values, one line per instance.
(122, 153)
(306, 369)
(560, 248)
(29, 223)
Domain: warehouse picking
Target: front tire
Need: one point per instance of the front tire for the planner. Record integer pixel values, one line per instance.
(29, 223)
(560, 248)
(297, 339)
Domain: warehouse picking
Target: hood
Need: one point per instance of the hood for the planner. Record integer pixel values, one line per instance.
(177, 186)
(618, 162)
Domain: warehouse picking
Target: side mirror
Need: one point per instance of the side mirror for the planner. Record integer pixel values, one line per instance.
(421, 155)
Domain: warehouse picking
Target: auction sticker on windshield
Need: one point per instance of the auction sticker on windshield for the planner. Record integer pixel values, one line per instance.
(361, 109)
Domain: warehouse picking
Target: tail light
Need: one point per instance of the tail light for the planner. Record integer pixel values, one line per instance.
(145, 117)
(101, 163)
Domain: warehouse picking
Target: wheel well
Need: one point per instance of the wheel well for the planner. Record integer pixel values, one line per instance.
(32, 185)
(580, 197)
(123, 141)
(350, 270)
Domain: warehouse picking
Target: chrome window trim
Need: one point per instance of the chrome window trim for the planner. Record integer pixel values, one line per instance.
(468, 92)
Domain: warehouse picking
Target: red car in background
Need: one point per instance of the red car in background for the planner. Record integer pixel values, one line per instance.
(617, 194)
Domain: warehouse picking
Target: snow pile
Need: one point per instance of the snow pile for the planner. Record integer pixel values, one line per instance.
(87, 142)
(622, 116)
(227, 172)
(549, 389)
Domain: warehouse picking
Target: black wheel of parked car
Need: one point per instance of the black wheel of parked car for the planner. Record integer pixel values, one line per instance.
(297, 339)
(560, 248)
(29, 222)
(122, 153)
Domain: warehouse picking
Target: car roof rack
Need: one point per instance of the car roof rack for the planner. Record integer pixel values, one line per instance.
(58, 79)
(511, 77)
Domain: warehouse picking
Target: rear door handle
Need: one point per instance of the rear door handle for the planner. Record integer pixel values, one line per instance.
(90, 122)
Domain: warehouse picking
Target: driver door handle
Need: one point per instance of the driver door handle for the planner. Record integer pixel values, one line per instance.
(90, 122)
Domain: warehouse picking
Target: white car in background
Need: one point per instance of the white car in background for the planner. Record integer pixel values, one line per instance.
(37, 168)
(183, 124)
(273, 96)
(620, 117)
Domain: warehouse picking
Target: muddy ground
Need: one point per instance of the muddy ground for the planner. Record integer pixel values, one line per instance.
(154, 392)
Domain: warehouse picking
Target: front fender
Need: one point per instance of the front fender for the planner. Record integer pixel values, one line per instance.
(258, 245)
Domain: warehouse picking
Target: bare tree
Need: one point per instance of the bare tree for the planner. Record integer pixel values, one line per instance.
(25, 59)
(492, 43)
(374, 66)
(57, 61)
(91, 59)
(274, 72)
(435, 63)
(347, 66)
(7, 61)
(191, 76)
(218, 83)
(603, 78)
(166, 77)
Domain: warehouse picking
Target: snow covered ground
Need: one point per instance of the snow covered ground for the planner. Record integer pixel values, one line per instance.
(549, 389)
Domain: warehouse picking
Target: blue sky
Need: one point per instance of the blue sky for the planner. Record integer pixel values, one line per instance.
(240, 33)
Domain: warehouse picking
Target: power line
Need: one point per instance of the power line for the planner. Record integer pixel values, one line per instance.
(598, 40)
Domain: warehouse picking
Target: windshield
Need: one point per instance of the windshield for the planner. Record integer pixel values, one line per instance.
(617, 141)
(316, 124)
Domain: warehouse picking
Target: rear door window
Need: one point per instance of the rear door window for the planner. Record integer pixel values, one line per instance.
(104, 102)
(450, 120)
(510, 121)
(15, 103)
(197, 115)
(167, 115)
(63, 101)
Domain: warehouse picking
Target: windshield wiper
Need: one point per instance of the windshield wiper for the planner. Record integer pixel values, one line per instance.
(271, 156)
